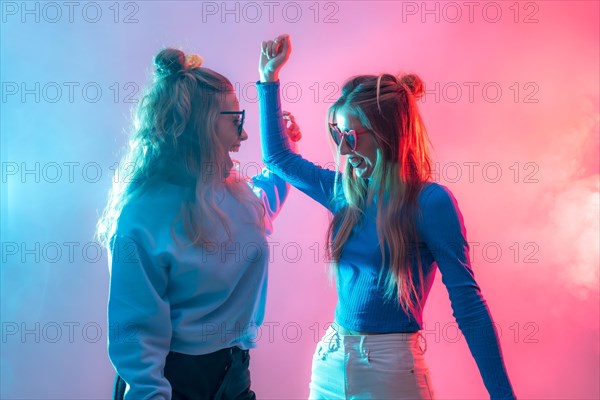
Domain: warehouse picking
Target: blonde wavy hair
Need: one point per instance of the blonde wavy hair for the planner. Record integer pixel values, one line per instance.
(174, 139)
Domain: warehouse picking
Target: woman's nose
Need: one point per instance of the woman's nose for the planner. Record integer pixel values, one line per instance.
(244, 135)
(344, 148)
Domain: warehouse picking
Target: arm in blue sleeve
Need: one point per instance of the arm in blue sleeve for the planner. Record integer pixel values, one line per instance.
(311, 179)
(445, 236)
(139, 311)
(273, 191)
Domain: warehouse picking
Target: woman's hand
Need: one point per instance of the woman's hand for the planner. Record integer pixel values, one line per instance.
(292, 129)
(274, 54)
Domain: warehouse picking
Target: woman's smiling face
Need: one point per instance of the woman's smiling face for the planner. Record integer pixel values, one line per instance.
(227, 130)
(363, 157)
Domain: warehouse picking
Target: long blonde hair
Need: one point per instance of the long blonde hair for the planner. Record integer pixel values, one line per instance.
(174, 139)
(386, 106)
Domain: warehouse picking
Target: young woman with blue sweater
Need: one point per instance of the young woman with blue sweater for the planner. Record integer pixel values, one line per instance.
(187, 242)
(392, 228)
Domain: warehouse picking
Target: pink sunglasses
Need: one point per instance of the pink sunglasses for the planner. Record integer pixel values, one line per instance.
(350, 137)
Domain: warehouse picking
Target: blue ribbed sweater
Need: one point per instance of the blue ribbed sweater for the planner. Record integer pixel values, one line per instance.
(442, 244)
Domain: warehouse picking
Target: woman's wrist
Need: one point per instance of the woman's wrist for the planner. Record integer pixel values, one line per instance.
(269, 77)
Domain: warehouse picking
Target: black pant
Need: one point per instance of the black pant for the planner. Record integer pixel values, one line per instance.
(222, 375)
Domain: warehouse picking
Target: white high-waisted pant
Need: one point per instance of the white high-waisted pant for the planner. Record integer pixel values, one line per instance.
(387, 366)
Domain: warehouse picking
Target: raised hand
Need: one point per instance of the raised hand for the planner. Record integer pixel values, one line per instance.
(274, 54)
(291, 127)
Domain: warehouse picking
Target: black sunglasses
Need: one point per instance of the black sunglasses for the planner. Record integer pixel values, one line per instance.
(241, 125)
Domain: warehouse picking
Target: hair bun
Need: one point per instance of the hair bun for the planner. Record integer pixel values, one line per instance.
(169, 61)
(414, 84)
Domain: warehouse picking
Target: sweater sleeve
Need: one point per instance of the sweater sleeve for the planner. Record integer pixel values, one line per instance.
(315, 181)
(273, 191)
(445, 235)
(139, 317)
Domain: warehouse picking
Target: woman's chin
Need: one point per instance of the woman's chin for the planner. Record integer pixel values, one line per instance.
(227, 166)
(363, 172)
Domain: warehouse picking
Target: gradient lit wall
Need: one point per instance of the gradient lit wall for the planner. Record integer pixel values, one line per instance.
(512, 109)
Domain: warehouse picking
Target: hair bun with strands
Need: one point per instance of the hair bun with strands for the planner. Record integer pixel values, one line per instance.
(171, 61)
(413, 83)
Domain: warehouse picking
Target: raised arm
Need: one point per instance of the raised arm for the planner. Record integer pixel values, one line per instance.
(445, 236)
(139, 318)
(272, 190)
(269, 187)
(311, 179)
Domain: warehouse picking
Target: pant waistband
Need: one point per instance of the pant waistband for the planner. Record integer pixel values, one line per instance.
(219, 353)
(404, 339)
(231, 350)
